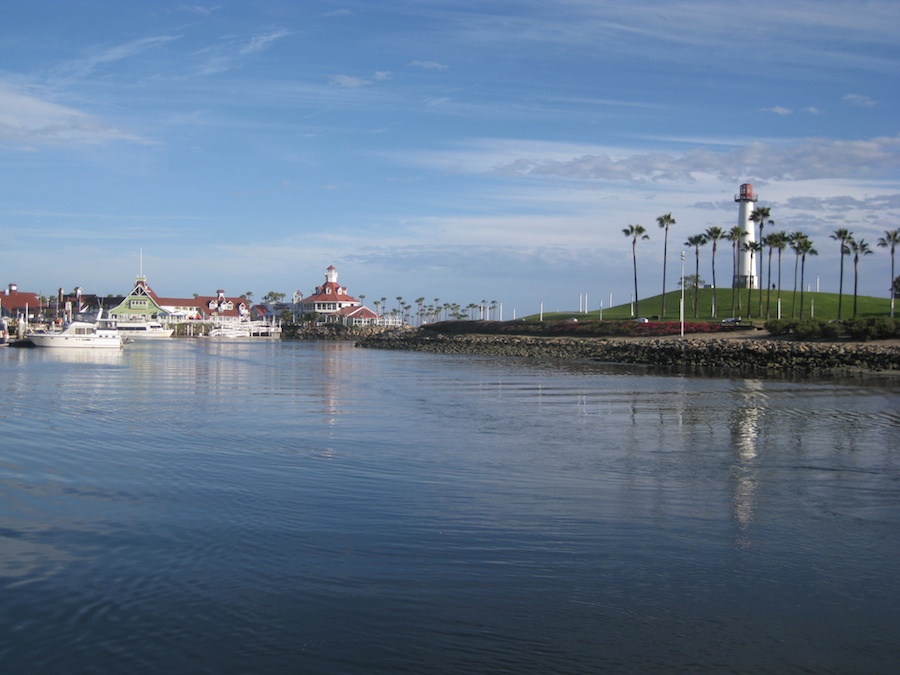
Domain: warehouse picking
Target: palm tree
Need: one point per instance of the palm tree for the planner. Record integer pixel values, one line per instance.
(761, 217)
(696, 241)
(735, 234)
(842, 235)
(804, 248)
(778, 241)
(714, 234)
(754, 247)
(794, 241)
(664, 222)
(634, 232)
(890, 240)
(858, 248)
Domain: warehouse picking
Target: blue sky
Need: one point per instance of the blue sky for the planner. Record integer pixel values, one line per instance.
(465, 151)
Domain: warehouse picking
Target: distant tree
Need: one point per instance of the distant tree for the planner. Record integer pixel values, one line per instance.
(754, 247)
(696, 241)
(665, 221)
(804, 248)
(795, 240)
(714, 234)
(778, 241)
(635, 232)
(420, 304)
(273, 296)
(760, 216)
(842, 235)
(858, 248)
(890, 240)
(735, 234)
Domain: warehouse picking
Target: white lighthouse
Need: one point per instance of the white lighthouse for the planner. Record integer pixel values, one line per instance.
(746, 273)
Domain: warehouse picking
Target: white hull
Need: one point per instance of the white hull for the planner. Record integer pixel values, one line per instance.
(143, 331)
(76, 341)
(81, 335)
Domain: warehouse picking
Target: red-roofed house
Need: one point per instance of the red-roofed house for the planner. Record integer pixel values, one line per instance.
(15, 303)
(143, 304)
(332, 304)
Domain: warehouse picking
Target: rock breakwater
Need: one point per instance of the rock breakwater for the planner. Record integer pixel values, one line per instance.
(737, 355)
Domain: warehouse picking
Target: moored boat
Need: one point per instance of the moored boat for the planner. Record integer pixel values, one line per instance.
(99, 334)
(143, 330)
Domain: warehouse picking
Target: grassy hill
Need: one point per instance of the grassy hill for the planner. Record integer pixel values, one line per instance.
(819, 305)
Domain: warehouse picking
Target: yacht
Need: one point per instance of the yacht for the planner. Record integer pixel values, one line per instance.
(99, 334)
(143, 330)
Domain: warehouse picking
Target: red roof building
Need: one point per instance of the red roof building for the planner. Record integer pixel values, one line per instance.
(15, 303)
(333, 304)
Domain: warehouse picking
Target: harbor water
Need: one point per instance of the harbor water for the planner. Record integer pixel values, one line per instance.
(220, 506)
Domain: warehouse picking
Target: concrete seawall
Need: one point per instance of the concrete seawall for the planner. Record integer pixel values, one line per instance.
(750, 355)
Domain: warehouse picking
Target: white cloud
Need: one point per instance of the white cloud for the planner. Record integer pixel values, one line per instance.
(261, 42)
(428, 65)
(858, 100)
(779, 110)
(349, 81)
(810, 158)
(84, 66)
(26, 120)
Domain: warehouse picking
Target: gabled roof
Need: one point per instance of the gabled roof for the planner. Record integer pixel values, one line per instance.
(330, 291)
(361, 312)
(14, 299)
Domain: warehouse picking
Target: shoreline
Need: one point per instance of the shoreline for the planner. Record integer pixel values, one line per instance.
(742, 352)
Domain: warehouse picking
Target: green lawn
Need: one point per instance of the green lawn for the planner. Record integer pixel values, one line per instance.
(820, 305)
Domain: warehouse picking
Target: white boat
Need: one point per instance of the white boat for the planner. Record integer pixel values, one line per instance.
(226, 331)
(100, 334)
(143, 330)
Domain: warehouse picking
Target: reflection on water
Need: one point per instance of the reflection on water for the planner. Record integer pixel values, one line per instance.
(748, 412)
(311, 507)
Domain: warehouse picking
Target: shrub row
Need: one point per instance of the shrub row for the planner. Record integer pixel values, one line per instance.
(877, 328)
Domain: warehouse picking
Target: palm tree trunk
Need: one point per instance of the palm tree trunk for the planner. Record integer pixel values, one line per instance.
(715, 288)
(697, 283)
(750, 286)
(769, 286)
(841, 283)
(662, 310)
(634, 261)
(802, 277)
(855, 282)
(734, 293)
(794, 296)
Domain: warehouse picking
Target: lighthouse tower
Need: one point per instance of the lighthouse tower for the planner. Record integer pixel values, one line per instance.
(746, 273)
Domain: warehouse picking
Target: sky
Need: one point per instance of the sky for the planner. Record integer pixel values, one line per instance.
(460, 151)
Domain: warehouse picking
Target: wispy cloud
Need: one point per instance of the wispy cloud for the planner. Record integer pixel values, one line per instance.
(108, 55)
(26, 120)
(261, 42)
(231, 54)
(858, 100)
(199, 9)
(349, 81)
(353, 82)
(779, 110)
(804, 159)
(428, 65)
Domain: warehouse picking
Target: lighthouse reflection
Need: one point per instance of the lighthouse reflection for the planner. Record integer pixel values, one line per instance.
(745, 427)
